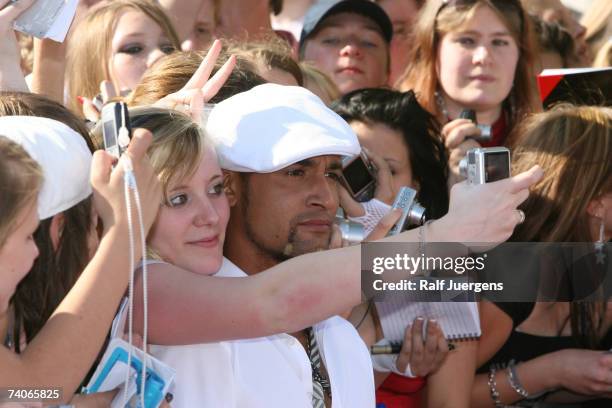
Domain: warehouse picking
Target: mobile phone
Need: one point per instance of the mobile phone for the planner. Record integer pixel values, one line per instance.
(485, 130)
(116, 128)
(359, 175)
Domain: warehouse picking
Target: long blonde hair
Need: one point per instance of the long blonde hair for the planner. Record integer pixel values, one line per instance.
(90, 48)
(573, 144)
(20, 180)
(437, 19)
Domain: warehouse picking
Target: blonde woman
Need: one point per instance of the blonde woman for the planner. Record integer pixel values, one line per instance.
(116, 42)
(556, 351)
(473, 54)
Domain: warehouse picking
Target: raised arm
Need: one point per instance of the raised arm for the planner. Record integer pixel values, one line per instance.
(48, 70)
(11, 76)
(186, 308)
(66, 347)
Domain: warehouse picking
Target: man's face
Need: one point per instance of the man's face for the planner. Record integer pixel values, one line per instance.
(351, 50)
(291, 211)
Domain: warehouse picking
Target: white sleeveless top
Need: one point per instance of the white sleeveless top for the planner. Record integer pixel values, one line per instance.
(270, 372)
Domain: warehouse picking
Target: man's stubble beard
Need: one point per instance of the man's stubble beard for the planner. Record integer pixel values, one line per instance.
(293, 246)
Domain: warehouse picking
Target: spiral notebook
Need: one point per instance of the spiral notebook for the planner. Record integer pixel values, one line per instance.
(459, 320)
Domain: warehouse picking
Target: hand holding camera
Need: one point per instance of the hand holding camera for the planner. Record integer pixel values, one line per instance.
(108, 184)
(485, 130)
(457, 135)
(484, 213)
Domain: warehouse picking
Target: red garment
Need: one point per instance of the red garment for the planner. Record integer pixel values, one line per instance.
(400, 392)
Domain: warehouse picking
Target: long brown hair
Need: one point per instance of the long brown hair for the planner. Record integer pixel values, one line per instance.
(573, 144)
(438, 18)
(88, 53)
(56, 269)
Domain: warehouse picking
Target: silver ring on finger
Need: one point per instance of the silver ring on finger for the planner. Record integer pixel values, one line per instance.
(521, 215)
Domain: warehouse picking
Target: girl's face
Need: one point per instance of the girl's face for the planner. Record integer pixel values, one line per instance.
(18, 253)
(137, 43)
(189, 232)
(477, 63)
(390, 145)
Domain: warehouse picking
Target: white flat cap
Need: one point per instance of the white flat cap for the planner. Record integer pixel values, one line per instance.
(273, 126)
(61, 153)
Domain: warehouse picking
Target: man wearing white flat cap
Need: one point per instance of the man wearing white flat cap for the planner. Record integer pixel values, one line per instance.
(281, 150)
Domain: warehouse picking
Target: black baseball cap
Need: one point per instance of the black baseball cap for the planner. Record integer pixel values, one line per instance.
(325, 8)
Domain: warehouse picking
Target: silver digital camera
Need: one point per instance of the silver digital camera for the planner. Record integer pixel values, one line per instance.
(412, 212)
(352, 232)
(485, 165)
(359, 175)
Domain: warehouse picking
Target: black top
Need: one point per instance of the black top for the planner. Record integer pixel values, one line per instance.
(521, 347)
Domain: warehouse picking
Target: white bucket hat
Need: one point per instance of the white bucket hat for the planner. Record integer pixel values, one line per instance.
(61, 153)
(273, 126)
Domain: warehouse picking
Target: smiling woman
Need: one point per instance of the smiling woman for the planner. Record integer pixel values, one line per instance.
(118, 41)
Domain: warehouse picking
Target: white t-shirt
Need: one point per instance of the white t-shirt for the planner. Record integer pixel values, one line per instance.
(269, 372)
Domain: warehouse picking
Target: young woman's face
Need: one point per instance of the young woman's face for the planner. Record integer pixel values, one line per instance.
(189, 232)
(477, 63)
(390, 145)
(18, 253)
(137, 43)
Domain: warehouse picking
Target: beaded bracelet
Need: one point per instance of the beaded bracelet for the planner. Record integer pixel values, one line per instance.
(493, 389)
(514, 381)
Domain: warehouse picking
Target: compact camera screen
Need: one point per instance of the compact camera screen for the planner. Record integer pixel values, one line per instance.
(497, 166)
(110, 137)
(357, 175)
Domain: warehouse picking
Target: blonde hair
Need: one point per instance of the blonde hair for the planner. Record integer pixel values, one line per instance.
(573, 144)
(318, 83)
(26, 49)
(177, 147)
(20, 180)
(437, 19)
(90, 49)
(178, 142)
